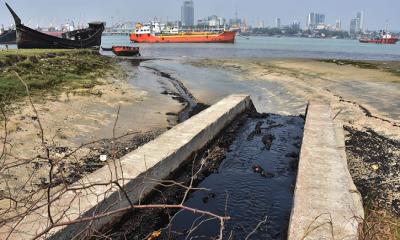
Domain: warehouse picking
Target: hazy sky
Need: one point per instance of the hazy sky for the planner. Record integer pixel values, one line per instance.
(43, 12)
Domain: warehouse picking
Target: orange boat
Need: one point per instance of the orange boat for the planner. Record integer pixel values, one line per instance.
(125, 51)
(147, 34)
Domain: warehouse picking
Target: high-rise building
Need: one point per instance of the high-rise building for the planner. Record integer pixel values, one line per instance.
(278, 23)
(315, 19)
(360, 22)
(319, 18)
(295, 25)
(338, 25)
(311, 21)
(187, 13)
(353, 25)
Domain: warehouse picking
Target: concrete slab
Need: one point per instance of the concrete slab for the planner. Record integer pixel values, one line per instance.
(140, 170)
(327, 204)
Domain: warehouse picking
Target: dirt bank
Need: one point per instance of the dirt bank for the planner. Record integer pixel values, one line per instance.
(79, 123)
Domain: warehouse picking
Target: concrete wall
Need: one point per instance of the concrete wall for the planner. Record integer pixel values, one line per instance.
(327, 204)
(141, 169)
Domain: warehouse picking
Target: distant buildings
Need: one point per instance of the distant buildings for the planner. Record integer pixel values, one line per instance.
(212, 21)
(314, 20)
(260, 24)
(278, 23)
(238, 24)
(357, 24)
(353, 26)
(360, 21)
(295, 25)
(187, 13)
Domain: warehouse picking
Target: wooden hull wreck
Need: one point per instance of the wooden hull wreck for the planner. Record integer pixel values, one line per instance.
(84, 38)
(8, 37)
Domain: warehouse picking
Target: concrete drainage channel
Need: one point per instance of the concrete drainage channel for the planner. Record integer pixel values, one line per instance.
(254, 184)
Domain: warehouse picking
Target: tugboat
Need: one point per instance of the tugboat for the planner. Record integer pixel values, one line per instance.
(383, 38)
(156, 33)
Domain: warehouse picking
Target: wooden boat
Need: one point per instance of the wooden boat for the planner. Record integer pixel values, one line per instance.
(83, 38)
(125, 51)
(8, 37)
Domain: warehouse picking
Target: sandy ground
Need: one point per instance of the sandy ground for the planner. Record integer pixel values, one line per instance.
(75, 118)
(365, 98)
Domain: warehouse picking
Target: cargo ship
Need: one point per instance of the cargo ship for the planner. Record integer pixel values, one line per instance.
(156, 33)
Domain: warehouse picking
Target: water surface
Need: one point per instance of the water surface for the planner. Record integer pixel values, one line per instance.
(268, 47)
(249, 195)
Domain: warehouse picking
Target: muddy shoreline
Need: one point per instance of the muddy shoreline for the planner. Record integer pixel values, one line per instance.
(192, 106)
(374, 164)
(117, 148)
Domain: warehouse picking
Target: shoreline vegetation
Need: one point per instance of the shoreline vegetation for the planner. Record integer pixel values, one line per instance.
(79, 91)
(75, 69)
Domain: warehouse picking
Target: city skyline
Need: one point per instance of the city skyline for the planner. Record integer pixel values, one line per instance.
(44, 12)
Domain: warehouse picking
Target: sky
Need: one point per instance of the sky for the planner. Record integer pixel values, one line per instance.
(44, 12)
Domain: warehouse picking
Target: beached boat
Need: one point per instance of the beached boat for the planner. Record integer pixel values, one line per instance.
(83, 38)
(150, 34)
(125, 51)
(8, 37)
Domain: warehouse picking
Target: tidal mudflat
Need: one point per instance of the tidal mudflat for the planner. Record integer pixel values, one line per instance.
(365, 96)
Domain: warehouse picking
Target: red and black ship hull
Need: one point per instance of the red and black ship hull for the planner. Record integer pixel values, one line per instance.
(380, 41)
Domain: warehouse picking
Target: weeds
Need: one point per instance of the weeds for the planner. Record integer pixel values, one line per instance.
(50, 71)
(379, 225)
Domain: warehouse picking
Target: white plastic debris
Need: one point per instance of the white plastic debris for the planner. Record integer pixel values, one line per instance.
(103, 158)
(375, 167)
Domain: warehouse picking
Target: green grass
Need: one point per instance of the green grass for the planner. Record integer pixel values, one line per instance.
(50, 71)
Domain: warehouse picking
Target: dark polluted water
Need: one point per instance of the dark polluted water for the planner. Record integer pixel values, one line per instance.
(254, 185)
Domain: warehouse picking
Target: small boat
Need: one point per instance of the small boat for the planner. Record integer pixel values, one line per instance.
(8, 37)
(82, 38)
(125, 51)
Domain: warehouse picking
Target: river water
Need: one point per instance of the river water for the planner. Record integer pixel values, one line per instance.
(268, 47)
(254, 184)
